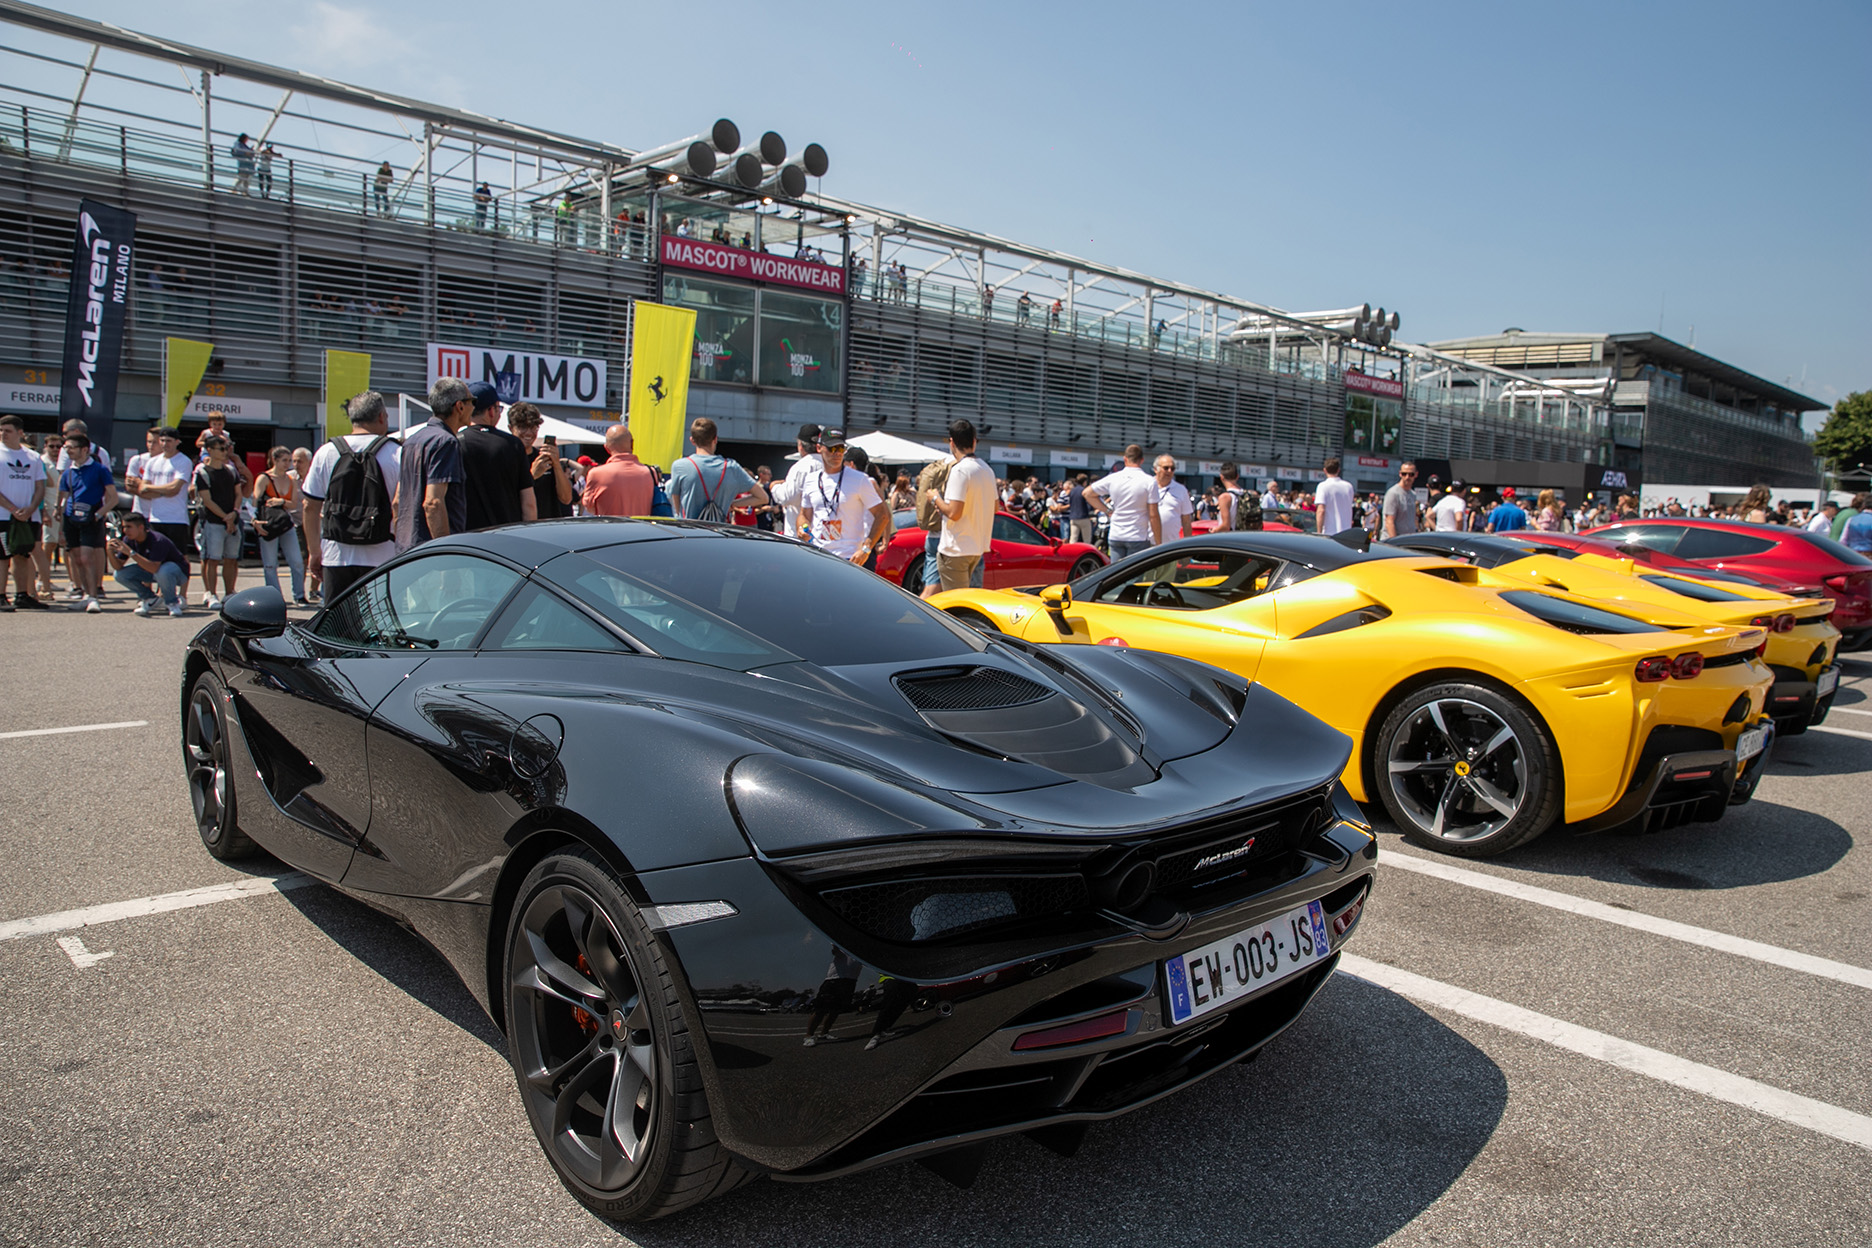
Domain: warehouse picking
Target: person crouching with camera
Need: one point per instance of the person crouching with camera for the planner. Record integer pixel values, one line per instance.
(144, 558)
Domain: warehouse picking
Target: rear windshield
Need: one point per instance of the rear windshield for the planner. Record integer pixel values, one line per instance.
(1575, 617)
(1691, 589)
(743, 603)
(1838, 550)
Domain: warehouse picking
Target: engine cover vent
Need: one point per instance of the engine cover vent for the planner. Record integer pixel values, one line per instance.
(968, 689)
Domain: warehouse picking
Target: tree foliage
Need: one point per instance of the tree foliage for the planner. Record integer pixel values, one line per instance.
(1845, 440)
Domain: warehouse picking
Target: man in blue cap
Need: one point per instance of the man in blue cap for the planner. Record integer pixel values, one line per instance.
(495, 466)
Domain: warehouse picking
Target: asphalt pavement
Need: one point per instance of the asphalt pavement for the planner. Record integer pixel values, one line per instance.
(1541, 1065)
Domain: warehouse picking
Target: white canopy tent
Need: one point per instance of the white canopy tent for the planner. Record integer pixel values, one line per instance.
(888, 448)
(550, 427)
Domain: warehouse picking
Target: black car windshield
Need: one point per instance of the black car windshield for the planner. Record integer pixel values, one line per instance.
(743, 603)
(1693, 589)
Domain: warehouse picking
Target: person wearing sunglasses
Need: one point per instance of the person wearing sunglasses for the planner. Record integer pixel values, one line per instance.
(1400, 503)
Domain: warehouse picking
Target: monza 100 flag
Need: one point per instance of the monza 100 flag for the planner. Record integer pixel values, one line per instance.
(662, 344)
(102, 251)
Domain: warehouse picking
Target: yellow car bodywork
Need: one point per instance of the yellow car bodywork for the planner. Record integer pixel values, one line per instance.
(1808, 647)
(1442, 625)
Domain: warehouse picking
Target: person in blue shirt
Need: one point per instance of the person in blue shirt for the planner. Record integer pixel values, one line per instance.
(704, 486)
(1857, 532)
(1507, 516)
(87, 493)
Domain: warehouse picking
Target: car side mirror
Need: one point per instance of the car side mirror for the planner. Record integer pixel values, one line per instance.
(1357, 538)
(1056, 598)
(256, 612)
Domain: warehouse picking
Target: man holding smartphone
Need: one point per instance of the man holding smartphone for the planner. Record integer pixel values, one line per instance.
(143, 558)
(552, 488)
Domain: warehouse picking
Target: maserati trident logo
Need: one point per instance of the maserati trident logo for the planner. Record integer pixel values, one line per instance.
(1225, 855)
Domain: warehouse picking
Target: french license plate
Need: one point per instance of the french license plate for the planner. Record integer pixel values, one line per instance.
(1749, 744)
(1829, 681)
(1211, 977)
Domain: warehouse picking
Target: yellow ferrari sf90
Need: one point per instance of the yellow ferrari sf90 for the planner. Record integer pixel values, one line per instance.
(1480, 716)
(1801, 637)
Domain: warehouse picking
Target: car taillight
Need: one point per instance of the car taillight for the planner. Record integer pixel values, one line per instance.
(1688, 666)
(1654, 669)
(1778, 623)
(1113, 641)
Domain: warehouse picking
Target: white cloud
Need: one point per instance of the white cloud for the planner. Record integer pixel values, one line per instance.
(338, 41)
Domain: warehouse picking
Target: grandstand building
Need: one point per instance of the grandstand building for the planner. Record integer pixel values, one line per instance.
(437, 240)
(1679, 420)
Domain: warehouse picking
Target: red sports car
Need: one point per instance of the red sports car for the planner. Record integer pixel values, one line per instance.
(1018, 554)
(1607, 544)
(1772, 553)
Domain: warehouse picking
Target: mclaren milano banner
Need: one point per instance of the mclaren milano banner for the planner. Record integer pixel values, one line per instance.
(94, 316)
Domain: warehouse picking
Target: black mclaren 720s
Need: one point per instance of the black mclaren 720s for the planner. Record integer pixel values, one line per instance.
(763, 866)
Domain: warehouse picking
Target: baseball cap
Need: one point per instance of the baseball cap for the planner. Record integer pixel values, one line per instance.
(1508, 493)
(809, 433)
(482, 392)
(586, 461)
(832, 437)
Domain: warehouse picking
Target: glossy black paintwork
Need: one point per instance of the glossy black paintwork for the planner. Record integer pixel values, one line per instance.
(418, 780)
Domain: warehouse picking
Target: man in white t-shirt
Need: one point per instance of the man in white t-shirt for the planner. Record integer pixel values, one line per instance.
(343, 564)
(968, 509)
(1448, 511)
(840, 507)
(22, 490)
(158, 484)
(1175, 513)
(788, 492)
(1332, 500)
(1130, 497)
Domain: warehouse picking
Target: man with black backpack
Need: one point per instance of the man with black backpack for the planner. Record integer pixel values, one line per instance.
(348, 497)
(1236, 508)
(704, 486)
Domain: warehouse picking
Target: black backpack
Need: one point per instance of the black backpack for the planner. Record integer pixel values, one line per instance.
(1247, 510)
(357, 499)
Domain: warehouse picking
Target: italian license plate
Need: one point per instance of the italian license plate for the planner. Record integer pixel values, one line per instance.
(1749, 744)
(1829, 681)
(1211, 977)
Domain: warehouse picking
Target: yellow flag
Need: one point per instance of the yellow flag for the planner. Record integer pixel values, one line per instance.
(184, 363)
(347, 373)
(662, 344)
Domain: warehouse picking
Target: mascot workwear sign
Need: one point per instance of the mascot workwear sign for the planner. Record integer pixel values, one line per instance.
(94, 316)
(662, 342)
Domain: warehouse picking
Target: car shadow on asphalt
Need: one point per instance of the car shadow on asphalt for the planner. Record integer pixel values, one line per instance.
(1821, 753)
(1348, 1127)
(400, 956)
(1762, 842)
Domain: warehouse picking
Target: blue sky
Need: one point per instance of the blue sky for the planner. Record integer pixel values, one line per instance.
(1586, 166)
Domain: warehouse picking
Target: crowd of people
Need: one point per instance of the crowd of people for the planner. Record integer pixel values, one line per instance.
(330, 514)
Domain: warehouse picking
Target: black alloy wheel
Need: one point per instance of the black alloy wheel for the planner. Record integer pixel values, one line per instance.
(975, 620)
(210, 778)
(603, 1059)
(1465, 770)
(1085, 567)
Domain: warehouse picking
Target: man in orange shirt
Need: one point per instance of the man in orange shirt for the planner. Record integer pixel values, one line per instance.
(621, 486)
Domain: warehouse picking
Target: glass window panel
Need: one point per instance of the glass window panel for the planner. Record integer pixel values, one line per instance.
(539, 621)
(724, 342)
(801, 340)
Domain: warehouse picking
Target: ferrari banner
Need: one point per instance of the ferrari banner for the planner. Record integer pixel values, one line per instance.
(102, 248)
(662, 343)
(185, 361)
(347, 373)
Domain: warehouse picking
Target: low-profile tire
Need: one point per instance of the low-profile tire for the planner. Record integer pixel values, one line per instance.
(206, 759)
(913, 574)
(605, 1064)
(1086, 566)
(1465, 770)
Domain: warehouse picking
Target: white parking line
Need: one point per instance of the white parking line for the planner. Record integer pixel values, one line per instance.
(1847, 710)
(1789, 1107)
(116, 911)
(53, 732)
(1826, 968)
(1841, 732)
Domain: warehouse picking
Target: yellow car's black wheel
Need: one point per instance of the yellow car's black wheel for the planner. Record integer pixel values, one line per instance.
(1465, 770)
